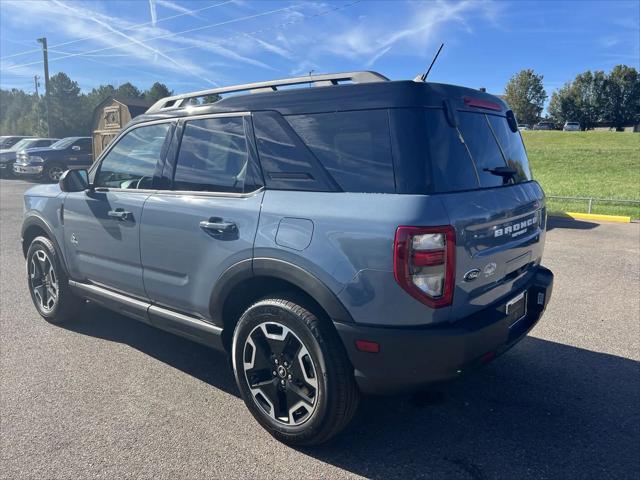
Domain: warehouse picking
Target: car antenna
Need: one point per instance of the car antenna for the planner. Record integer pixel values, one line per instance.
(423, 77)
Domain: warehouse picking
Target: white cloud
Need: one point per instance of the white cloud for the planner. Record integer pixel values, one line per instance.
(176, 7)
(375, 37)
(80, 21)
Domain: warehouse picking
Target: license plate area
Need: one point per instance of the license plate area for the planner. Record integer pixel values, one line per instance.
(516, 308)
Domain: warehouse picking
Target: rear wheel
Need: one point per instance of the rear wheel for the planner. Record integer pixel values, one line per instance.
(48, 284)
(293, 373)
(53, 172)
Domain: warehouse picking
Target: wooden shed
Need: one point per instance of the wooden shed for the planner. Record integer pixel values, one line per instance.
(110, 116)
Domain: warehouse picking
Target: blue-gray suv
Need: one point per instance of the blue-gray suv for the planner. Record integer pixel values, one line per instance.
(360, 236)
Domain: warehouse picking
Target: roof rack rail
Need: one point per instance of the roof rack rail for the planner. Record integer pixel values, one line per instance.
(177, 101)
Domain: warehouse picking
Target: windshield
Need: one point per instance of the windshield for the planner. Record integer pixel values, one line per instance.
(24, 143)
(64, 143)
(8, 142)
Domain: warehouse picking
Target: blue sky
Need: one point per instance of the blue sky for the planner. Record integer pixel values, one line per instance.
(190, 45)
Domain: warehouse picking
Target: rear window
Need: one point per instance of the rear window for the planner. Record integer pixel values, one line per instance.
(461, 158)
(354, 147)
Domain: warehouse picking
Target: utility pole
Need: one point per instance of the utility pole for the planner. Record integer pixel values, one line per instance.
(45, 54)
(35, 80)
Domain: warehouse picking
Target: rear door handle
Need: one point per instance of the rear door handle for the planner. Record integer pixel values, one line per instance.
(217, 225)
(119, 214)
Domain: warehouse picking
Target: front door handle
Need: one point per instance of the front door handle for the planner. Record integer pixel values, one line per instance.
(218, 225)
(119, 214)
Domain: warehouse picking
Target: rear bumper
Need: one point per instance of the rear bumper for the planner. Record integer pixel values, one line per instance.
(412, 358)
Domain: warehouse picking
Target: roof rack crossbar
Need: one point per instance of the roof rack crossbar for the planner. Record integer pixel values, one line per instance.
(177, 101)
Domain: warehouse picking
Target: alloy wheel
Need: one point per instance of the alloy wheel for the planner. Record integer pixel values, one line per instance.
(43, 280)
(55, 173)
(280, 373)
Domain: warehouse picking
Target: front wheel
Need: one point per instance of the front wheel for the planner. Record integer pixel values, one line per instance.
(48, 283)
(53, 172)
(293, 373)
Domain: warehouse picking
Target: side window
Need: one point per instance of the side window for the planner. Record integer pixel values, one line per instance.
(84, 144)
(131, 163)
(286, 162)
(354, 147)
(213, 157)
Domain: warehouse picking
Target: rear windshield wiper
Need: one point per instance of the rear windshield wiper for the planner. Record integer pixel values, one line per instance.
(504, 172)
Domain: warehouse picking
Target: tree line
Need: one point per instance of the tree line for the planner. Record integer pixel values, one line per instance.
(70, 110)
(592, 98)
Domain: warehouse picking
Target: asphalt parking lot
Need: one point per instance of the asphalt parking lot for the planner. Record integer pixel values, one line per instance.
(108, 397)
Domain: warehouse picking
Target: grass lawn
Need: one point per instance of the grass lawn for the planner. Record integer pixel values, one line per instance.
(587, 164)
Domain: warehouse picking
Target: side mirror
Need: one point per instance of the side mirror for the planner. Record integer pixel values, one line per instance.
(74, 181)
(75, 148)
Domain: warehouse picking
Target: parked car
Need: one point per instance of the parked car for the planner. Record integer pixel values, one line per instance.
(8, 141)
(8, 155)
(544, 126)
(571, 127)
(48, 163)
(523, 127)
(370, 237)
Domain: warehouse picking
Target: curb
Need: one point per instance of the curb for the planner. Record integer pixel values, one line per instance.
(591, 216)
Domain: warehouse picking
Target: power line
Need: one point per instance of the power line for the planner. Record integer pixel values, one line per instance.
(133, 27)
(304, 17)
(168, 35)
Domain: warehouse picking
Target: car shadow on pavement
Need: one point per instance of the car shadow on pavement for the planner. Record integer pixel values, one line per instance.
(199, 361)
(542, 410)
(570, 223)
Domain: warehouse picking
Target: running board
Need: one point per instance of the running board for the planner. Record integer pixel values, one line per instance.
(178, 323)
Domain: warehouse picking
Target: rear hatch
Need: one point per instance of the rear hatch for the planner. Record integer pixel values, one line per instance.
(480, 167)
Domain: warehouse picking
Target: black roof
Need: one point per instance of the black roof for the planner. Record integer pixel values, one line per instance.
(359, 96)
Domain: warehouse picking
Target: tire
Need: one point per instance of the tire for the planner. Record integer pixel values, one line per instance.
(48, 283)
(53, 172)
(302, 389)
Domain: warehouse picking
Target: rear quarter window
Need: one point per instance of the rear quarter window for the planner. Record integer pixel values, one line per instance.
(354, 147)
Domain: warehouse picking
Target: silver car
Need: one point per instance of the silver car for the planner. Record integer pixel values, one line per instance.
(571, 127)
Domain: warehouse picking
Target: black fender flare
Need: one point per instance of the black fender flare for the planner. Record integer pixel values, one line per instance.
(34, 220)
(283, 270)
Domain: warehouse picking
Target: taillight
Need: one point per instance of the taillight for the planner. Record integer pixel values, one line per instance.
(424, 263)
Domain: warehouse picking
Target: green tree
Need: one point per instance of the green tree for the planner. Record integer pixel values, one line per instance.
(623, 97)
(525, 95)
(65, 104)
(98, 94)
(128, 90)
(13, 105)
(594, 97)
(156, 92)
(581, 100)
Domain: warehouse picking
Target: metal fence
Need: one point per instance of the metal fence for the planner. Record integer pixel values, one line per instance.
(590, 201)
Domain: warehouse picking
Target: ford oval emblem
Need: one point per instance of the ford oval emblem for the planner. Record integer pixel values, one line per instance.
(471, 275)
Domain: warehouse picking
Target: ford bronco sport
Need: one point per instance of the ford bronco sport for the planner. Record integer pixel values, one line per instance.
(361, 236)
